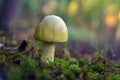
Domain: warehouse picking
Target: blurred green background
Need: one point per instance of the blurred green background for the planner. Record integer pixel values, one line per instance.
(90, 20)
(96, 21)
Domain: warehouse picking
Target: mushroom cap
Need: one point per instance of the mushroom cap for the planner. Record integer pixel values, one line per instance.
(51, 29)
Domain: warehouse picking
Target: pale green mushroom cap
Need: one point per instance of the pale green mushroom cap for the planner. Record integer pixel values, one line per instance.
(51, 29)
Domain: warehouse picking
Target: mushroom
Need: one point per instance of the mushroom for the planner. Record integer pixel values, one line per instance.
(52, 29)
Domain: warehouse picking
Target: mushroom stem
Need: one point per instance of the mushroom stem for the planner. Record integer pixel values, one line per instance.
(48, 50)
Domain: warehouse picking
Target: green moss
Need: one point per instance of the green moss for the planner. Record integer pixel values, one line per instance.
(59, 69)
(28, 64)
(114, 77)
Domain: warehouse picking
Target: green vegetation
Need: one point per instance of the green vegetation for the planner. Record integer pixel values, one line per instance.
(98, 68)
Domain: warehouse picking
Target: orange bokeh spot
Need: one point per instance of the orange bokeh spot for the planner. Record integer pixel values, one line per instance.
(110, 20)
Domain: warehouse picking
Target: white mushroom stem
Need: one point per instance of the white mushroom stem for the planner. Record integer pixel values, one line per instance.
(48, 50)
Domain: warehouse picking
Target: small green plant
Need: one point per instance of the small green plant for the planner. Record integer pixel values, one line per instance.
(114, 77)
(69, 74)
(28, 64)
(2, 58)
(75, 70)
(94, 75)
(15, 73)
(44, 74)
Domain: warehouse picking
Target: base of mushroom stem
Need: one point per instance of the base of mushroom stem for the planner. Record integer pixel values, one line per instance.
(48, 50)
